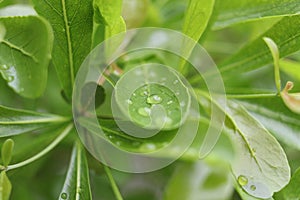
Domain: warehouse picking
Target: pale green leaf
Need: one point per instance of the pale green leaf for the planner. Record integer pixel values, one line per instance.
(25, 52)
(107, 20)
(77, 183)
(14, 121)
(256, 53)
(72, 23)
(199, 181)
(235, 11)
(261, 167)
(197, 17)
(273, 114)
(5, 186)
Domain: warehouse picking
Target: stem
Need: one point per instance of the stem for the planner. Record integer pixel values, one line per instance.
(44, 151)
(113, 183)
(250, 96)
(275, 54)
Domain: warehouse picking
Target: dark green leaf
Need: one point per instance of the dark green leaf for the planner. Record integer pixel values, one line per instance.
(235, 11)
(256, 54)
(13, 121)
(292, 190)
(72, 23)
(77, 184)
(25, 51)
(5, 186)
(6, 151)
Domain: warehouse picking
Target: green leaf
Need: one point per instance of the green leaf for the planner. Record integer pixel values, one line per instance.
(14, 121)
(159, 103)
(281, 122)
(256, 53)
(107, 20)
(25, 52)
(292, 190)
(261, 167)
(72, 23)
(6, 151)
(196, 20)
(77, 184)
(5, 186)
(231, 12)
(199, 181)
(291, 68)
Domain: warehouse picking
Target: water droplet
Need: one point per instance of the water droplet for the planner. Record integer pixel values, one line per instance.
(144, 93)
(9, 78)
(144, 111)
(4, 67)
(177, 93)
(148, 146)
(175, 82)
(111, 137)
(64, 195)
(168, 120)
(169, 102)
(134, 94)
(243, 180)
(118, 143)
(154, 99)
(63, 30)
(128, 101)
(182, 104)
(252, 187)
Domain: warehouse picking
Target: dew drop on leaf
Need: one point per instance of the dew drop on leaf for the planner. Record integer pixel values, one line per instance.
(129, 101)
(252, 187)
(144, 111)
(242, 180)
(154, 99)
(64, 195)
(9, 78)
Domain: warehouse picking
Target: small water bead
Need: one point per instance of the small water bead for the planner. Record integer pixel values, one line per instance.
(242, 180)
(175, 82)
(64, 195)
(252, 187)
(144, 111)
(169, 102)
(144, 93)
(154, 99)
(177, 93)
(148, 146)
(182, 104)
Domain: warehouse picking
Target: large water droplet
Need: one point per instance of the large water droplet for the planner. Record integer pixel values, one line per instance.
(144, 111)
(4, 67)
(243, 180)
(154, 99)
(64, 195)
(252, 187)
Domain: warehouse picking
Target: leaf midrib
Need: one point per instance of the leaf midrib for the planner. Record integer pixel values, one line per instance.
(69, 42)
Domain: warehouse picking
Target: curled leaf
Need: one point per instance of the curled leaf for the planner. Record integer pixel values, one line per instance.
(6, 152)
(292, 101)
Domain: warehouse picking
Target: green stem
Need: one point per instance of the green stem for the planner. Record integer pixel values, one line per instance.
(113, 183)
(44, 151)
(250, 96)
